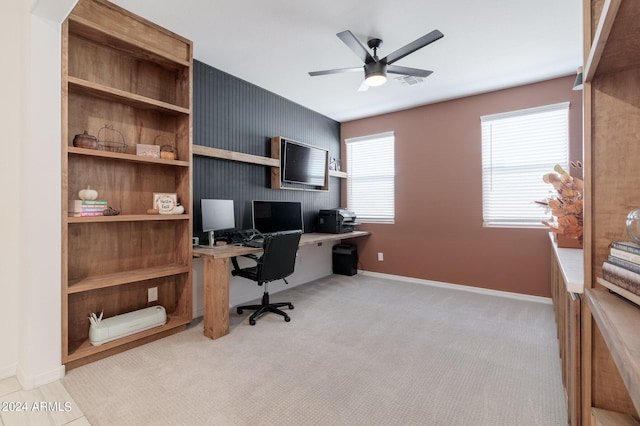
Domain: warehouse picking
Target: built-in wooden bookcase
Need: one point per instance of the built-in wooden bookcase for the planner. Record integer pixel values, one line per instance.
(611, 324)
(122, 72)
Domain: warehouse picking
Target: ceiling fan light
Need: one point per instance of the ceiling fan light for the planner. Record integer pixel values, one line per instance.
(375, 74)
(375, 80)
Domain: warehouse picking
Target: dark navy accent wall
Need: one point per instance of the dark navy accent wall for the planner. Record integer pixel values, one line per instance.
(232, 114)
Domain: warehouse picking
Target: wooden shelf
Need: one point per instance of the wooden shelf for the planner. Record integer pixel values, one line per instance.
(125, 277)
(84, 348)
(107, 36)
(78, 85)
(611, 418)
(127, 157)
(224, 154)
(615, 47)
(316, 238)
(619, 290)
(127, 218)
(618, 322)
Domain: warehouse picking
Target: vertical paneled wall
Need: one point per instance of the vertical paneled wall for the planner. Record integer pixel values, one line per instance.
(232, 114)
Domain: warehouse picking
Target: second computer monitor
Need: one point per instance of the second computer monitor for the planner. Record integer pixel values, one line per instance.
(275, 216)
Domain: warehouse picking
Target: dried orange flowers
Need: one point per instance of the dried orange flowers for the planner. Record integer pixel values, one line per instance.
(566, 207)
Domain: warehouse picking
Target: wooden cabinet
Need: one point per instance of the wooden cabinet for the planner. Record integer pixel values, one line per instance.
(566, 288)
(611, 325)
(126, 80)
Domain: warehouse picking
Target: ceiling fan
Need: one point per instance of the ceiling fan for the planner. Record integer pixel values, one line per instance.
(376, 69)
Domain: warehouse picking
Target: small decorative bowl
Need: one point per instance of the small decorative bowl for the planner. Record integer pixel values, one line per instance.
(85, 140)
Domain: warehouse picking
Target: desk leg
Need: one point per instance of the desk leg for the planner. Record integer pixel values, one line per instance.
(216, 297)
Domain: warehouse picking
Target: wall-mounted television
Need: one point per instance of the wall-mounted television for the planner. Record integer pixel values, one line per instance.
(304, 164)
(276, 216)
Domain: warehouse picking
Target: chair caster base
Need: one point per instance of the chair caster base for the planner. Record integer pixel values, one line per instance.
(264, 308)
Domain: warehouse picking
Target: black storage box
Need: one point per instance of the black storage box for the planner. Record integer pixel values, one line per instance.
(345, 259)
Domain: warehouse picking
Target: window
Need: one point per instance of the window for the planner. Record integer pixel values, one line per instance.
(518, 148)
(371, 176)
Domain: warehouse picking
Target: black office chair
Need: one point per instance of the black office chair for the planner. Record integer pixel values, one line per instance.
(276, 263)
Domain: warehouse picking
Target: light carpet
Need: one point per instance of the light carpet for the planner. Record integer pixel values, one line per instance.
(359, 350)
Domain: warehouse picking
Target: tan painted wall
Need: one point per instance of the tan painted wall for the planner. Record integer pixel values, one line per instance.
(438, 233)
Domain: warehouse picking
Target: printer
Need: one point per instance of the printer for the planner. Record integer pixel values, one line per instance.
(336, 221)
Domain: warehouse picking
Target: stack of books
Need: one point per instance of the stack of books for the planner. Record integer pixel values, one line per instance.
(82, 208)
(622, 269)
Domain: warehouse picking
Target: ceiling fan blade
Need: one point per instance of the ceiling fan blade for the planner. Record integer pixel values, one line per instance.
(394, 69)
(334, 71)
(354, 44)
(413, 46)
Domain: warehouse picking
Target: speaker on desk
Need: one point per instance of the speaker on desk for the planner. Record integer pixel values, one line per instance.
(345, 259)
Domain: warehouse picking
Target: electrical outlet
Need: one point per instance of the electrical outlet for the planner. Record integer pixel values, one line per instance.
(152, 294)
(380, 257)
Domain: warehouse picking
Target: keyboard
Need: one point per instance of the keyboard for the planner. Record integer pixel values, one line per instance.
(256, 243)
(244, 235)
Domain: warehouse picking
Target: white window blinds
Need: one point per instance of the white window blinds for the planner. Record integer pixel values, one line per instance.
(518, 148)
(371, 176)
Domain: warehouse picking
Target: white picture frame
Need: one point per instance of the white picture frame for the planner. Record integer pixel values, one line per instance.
(164, 202)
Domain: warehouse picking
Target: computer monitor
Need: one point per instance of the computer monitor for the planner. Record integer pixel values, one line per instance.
(217, 215)
(275, 216)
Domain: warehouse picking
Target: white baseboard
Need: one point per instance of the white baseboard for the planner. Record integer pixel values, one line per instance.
(33, 381)
(486, 291)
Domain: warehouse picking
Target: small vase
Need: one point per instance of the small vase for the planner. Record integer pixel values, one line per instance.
(566, 242)
(633, 225)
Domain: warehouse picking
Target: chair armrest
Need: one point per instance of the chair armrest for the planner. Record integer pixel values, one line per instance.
(236, 267)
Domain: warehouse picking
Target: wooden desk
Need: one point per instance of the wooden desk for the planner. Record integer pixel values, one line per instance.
(217, 271)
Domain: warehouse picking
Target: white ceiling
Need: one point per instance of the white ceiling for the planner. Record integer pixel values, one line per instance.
(487, 45)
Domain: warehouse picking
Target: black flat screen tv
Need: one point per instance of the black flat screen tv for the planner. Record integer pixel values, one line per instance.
(275, 216)
(304, 164)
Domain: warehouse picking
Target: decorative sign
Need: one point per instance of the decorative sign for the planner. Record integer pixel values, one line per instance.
(164, 202)
(152, 151)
